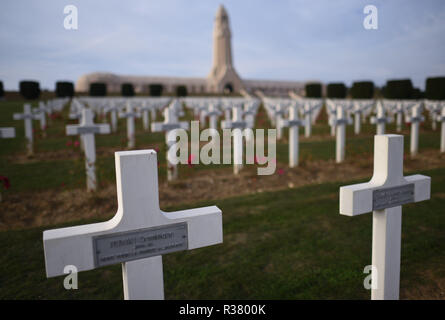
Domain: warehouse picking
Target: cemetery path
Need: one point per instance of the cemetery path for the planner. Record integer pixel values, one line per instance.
(32, 209)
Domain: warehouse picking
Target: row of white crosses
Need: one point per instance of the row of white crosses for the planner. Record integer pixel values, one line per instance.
(140, 233)
(137, 236)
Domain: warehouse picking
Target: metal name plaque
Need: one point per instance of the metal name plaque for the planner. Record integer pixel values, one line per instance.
(86, 130)
(144, 243)
(392, 197)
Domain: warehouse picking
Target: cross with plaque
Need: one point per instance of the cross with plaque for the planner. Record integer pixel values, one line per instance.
(138, 235)
(278, 112)
(339, 122)
(129, 114)
(399, 116)
(41, 113)
(415, 119)
(27, 116)
(380, 120)
(7, 132)
(294, 124)
(113, 109)
(384, 195)
(238, 125)
(170, 124)
(307, 111)
(87, 129)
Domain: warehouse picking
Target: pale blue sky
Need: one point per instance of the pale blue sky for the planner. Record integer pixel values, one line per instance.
(277, 40)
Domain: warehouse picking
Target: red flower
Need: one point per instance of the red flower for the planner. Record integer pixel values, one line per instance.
(280, 171)
(5, 181)
(76, 143)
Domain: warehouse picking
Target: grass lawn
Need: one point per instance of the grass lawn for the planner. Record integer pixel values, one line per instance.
(288, 244)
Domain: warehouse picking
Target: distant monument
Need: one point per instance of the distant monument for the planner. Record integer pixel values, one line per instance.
(222, 78)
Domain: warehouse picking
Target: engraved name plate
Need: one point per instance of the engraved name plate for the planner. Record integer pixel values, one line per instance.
(392, 197)
(144, 243)
(85, 130)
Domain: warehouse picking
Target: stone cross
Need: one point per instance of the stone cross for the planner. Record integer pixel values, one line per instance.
(129, 114)
(145, 108)
(339, 122)
(113, 109)
(213, 113)
(293, 123)
(441, 118)
(87, 129)
(359, 108)
(27, 116)
(278, 112)
(415, 118)
(41, 113)
(307, 110)
(399, 116)
(138, 235)
(385, 194)
(381, 119)
(170, 124)
(7, 132)
(238, 125)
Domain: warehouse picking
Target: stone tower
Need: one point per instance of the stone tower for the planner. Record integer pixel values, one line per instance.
(223, 77)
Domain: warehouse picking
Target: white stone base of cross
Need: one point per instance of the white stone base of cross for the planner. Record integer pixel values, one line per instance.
(138, 235)
(384, 194)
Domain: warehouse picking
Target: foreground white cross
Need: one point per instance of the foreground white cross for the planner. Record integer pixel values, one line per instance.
(380, 120)
(169, 125)
(293, 123)
(138, 235)
(87, 129)
(384, 194)
(27, 116)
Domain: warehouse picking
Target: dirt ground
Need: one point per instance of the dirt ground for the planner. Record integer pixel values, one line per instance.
(32, 209)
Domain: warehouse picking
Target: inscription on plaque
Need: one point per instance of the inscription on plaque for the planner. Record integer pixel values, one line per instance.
(392, 197)
(86, 130)
(144, 243)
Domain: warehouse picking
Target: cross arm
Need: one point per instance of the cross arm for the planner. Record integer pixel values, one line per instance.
(358, 198)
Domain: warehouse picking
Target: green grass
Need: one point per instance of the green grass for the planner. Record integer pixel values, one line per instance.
(290, 244)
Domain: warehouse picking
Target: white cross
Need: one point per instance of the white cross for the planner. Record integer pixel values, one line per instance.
(7, 132)
(27, 116)
(293, 123)
(339, 121)
(384, 194)
(169, 125)
(41, 113)
(415, 118)
(87, 129)
(278, 112)
(213, 113)
(441, 119)
(238, 125)
(138, 235)
(130, 115)
(145, 117)
(381, 119)
(359, 108)
(307, 111)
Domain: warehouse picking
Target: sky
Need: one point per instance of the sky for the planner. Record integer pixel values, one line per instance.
(296, 40)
